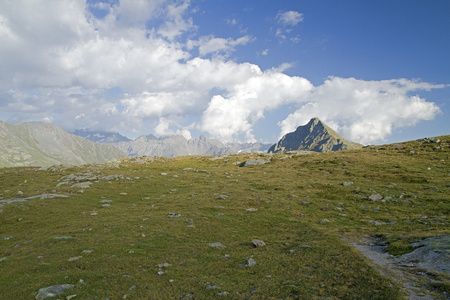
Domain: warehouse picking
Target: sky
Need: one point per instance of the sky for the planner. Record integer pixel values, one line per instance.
(249, 70)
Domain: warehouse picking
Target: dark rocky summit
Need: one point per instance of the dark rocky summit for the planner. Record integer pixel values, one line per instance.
(314, 136)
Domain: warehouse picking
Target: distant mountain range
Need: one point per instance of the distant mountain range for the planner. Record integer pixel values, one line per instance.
(102, 137)
(170, 146)
(43, 144)
(314, 136)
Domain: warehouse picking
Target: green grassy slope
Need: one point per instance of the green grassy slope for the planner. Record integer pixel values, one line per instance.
(284, 203)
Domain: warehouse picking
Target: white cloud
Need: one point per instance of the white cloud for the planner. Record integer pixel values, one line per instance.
(210, 44)
(226, 118)
(289, 18)
(185, 133)
(364, 111)
(58, 63)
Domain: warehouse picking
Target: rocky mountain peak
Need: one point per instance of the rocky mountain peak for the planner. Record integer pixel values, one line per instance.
(314, 136)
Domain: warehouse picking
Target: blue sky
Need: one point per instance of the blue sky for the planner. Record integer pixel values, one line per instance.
(375, 71)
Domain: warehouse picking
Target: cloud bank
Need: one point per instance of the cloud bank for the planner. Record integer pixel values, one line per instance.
(139, 66)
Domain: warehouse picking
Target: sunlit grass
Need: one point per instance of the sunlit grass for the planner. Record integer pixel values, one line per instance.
(284, 203)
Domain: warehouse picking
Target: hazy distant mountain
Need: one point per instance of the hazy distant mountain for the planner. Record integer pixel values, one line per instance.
(177, 145)
(101, 136)
(43, 144)
(314, 136)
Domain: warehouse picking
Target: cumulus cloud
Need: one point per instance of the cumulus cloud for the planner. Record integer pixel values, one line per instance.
(364, 111)
(210, 44)
(60, 60)
(289, 18)
(245, 104)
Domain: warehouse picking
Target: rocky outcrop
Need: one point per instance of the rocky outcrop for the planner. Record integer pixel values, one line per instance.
(42, 144)
(314, 136)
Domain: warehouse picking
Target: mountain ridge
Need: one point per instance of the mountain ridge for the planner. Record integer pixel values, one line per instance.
(314, 136)
(43, 144)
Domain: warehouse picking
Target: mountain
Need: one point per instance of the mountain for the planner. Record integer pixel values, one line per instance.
(101, 136)
(43, 144)
(314, 136)
(177, 145)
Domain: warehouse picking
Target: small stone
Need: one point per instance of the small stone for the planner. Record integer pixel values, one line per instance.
(164, 265)
(75, 258)
(105, 201)
(250, 262)
(258, 243)
(211, 287)
(88, 251)
(70, 297)
(251, 209)
(173, 215)
(347, 183)
(217, 245)
(64, 237)
(106, 205)
(171, 280)
(226, 256)
(306, 246)
(52, 291)
(160, 272)
(163, 174)
(324, 221)
(375, 197)
(123, 194)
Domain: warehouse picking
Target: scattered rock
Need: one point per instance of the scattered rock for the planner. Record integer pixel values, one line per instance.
(375, 197)
(106, 201)
(164, 265)
(53, 291)
(251, 209)
(173, 215)
(431, 254)
(217, 245)
(347, 183)
(75, 258)
(250, 262)
(258, 243)
(85, 184)
(324, 221)
(254, 162)
(64, 237)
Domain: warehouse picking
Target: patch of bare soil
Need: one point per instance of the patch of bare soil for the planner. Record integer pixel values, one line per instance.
(414, 271)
